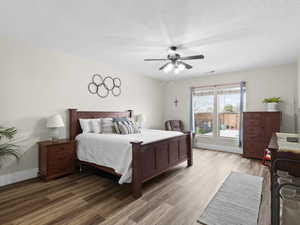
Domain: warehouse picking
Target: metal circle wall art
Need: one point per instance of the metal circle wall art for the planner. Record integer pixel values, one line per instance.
(102, 87)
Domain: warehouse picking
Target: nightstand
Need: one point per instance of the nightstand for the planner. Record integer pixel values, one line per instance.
(56, 158)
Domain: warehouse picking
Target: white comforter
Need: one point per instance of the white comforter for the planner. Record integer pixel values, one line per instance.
(115, 150)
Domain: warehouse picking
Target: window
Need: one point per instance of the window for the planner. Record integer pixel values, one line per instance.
(204, 111)
(228, 112)
(216, 110)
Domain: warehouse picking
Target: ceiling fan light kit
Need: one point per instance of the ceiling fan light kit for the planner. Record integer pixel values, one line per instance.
(181, 67)
(168, 68)
(175, 59)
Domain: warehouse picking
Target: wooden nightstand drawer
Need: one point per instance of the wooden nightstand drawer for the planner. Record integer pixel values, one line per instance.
(61, 167)
(56, 158)
(60, 148)
(61, 158)
(60, 151)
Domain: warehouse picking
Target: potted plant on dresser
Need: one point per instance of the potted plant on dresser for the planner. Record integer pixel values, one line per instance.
(272, 104)
(7, 148)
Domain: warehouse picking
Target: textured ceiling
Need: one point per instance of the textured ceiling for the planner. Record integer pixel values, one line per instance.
(233, 34)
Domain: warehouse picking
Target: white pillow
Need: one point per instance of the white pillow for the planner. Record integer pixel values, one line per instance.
(107, 126)
(85, 126)
(95, 125)
(90, 125)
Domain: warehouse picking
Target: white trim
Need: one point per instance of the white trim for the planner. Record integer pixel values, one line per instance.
(233, 149)
(18, 176)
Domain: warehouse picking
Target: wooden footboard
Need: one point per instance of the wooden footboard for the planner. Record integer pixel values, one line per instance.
(152, 159)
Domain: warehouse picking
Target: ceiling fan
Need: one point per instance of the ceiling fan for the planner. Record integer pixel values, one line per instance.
(176, 61)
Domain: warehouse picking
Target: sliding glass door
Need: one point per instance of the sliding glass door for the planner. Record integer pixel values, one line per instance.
(204, 107)
(216, 111)
(228, 106)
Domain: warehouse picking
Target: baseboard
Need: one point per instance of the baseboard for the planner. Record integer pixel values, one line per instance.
(224, 148)
(18, 176)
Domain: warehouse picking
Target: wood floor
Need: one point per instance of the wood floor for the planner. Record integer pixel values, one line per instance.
(177, 197)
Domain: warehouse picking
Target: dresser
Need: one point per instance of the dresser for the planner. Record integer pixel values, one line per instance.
(56, 158)
(258, 128)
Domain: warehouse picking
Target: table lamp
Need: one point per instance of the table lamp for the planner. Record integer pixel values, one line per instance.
(140, 120)
(54, 123)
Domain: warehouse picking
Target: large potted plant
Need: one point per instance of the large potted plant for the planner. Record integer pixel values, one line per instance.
(272, 104)
(7, 148)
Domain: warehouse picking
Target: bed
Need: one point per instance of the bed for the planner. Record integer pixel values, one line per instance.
(134, 158)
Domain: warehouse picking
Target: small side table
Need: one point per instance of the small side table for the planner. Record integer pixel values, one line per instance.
(56, 158)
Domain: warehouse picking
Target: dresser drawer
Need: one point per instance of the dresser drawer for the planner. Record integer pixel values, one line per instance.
(253, 116)
(254, 130)
(254, 133)
(254, 149)
(252, 123)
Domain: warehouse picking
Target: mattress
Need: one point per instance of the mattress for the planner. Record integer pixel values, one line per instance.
(115, 150)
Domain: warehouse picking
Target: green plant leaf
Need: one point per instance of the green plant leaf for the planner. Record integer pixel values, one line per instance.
(272, 100)
(9, 133)
(9, 149)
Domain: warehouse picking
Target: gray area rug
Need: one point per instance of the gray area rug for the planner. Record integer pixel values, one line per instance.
(237, 202)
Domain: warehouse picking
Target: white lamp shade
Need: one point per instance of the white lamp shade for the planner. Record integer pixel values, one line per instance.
(140, 120)
(55, 121)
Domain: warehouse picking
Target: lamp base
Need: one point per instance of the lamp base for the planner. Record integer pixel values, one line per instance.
(54, 134)
(54, 139)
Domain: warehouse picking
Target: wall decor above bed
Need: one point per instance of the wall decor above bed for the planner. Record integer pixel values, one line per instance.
(103, 86)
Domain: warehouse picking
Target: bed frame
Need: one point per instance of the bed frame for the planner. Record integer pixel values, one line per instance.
(148, 160)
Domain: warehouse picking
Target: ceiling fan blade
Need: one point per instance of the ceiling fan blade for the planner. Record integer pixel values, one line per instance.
(187, 66)
(164, 66)
(192, 57)
(155, 59)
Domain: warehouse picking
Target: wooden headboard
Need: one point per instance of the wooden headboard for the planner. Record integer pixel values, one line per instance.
(75, 115)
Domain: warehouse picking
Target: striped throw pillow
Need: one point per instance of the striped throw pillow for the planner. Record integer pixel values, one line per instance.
(128, 127)
(116, 123)
(116, 126)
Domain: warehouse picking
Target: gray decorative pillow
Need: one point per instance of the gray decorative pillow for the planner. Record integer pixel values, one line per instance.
(116, 126)
(128, 127)
(107, 126)
(116, 121)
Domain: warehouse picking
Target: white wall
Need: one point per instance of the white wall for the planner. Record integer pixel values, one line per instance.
(298, 87)
(298, 78)
(36, 83)
(261, 83)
